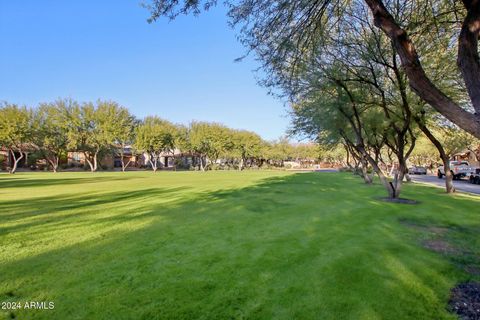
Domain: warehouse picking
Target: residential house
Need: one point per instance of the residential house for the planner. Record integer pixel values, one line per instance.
(472, 156)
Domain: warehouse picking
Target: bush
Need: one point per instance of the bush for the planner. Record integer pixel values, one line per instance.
(179, 164)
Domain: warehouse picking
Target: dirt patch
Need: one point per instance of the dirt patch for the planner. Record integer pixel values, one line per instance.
(399, 200)
(465, 300)
(440, 246)
(437, 230)
(473, 270)
(440, 231)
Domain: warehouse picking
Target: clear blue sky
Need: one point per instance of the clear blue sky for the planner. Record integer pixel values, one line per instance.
(88, 49)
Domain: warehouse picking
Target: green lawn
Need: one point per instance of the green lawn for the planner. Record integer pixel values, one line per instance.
(230, 245)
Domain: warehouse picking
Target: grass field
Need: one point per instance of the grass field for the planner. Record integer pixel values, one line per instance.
(230, 245)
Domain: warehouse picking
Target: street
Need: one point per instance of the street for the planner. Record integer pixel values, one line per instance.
(460, 185)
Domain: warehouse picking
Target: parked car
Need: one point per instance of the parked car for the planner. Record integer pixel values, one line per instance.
(475, 177)
(417, 170)
(459, 169)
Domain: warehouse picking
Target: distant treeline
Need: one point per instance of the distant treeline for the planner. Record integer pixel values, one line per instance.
(50, 130)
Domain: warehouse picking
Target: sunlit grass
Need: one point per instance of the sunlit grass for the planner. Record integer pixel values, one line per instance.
(221, 245)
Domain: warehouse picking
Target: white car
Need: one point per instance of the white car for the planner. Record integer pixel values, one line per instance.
(475, 177)
(417, 170)
(459, 169)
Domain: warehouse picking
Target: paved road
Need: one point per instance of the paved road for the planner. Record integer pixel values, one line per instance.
(460, 185)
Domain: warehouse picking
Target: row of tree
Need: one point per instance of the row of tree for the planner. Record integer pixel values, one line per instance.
(370, 74)
(356, 92)
(105, 127)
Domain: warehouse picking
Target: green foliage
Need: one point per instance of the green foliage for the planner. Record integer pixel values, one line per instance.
(278, 150)
(209, 139)
(246, 144)
(105, 128)
(455, 140)
(51, 130)
(155, 135)
(424, 153)
(15, 127)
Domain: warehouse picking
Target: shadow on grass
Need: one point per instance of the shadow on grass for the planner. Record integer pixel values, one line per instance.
(24, 182)
(44, 211)
(299, 246)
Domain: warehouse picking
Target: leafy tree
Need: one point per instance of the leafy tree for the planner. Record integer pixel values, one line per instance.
(155, 136)
(51, 131)
(91, 130)
(15, 131)
(246, 145)
(285, 33)
(455, 140)
(278, 151)
(424, 153)
(335, 153)
(209, 140)
(118, 128)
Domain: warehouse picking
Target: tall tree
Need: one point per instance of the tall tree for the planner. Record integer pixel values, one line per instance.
(51, 131)
(209, 140)
(91, 130)
(118, 128)
(15, 132)
(246, 145)
(155, 136)
(285, 32)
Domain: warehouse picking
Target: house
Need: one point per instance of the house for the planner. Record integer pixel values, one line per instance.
(472, 156)
(174, 159)
(167, 160)
(109, 160)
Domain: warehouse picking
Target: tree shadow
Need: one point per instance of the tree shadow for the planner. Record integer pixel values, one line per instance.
(24, 182)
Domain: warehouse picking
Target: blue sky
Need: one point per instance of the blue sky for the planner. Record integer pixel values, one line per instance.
(182, 70)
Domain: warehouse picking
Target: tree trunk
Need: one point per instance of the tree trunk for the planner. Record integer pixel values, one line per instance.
(372, 176)
(383, 179)
(95, 161)
(366, 177)
(15, 162)
(392, 168)
(418, 80)
(407, 177)
(468, 60)
(449, 188)
(90, 164)
(398, 180)
(153, 163)
(54, 163)
(125, 165)
(448, 176)
(121, 158)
